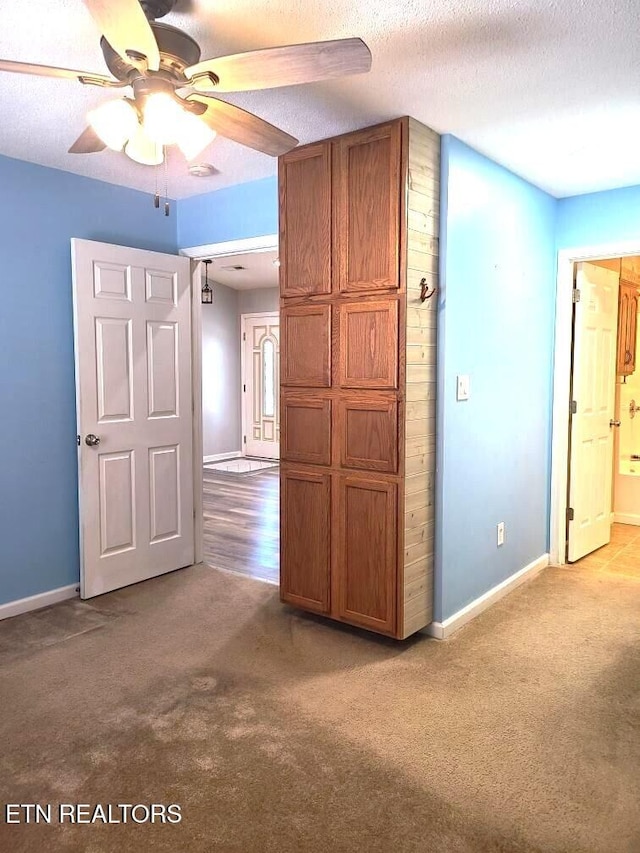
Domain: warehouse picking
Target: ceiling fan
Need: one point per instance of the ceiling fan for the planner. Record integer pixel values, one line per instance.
(173, 99)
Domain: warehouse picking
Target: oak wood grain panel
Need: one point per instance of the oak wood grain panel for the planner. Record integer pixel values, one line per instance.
(367, 189)
(306, 429)
(305, 221)
(630, 269)
(369, 434)
(627, 328)
(366, 574)
(368, 344)
(305, 349)
(304, 547)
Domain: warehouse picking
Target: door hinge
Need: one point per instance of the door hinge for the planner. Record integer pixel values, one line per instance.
(78, 440)
(574, 407)
(244, 439)
(244, 336)
(244, 388)
(570, 513)
(576, 295)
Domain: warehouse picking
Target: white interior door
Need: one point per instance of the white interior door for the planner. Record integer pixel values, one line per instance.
(134, 409)
(594, 366)
(261, 384)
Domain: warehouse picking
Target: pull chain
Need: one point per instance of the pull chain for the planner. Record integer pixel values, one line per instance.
(166, 182)
(156, 195)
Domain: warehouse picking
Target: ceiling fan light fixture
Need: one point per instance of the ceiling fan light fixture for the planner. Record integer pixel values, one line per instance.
(143, 150)
(163, 117)
(115, 123)
(193, 135)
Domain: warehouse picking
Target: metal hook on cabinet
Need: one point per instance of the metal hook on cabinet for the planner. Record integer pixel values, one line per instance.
(425, 293)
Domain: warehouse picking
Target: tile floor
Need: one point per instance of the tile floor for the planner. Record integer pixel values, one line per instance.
(621, 556)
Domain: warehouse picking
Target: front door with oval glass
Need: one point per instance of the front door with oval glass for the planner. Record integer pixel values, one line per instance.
(260, 384)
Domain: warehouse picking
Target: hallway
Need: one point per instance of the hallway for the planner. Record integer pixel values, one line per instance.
(241, 522)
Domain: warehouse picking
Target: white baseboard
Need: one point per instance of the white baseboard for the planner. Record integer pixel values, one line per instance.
(35, 602)
(220, 457)
(442, 630)
(626, 518)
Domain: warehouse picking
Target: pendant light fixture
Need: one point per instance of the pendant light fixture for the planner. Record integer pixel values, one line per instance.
(207, 292)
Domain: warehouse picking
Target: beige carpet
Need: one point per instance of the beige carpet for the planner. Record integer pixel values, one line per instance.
(279, 732)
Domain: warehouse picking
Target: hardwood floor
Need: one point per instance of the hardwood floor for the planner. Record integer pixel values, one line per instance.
(242, 522)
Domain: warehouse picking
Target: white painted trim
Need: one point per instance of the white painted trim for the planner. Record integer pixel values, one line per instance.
(626, 518)
(562, 381)
(442, 630)
(255, 314)
(196, 408)
(233, 247)
(36, 602)
(221, 457)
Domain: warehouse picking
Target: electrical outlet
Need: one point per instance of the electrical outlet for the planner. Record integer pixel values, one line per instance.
(500, 533)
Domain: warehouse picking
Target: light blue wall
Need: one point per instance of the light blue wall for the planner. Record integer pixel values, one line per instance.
(585, 220)
(40, 210)
(232, 213)
(496, 305)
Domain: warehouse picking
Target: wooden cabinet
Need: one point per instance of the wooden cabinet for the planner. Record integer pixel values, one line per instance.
(368, 344)
(365, 567)
(358, 235)
(305, 499)
(627, 328)
(305, 208)
(305, 346)
(366, 209)
(630, 270)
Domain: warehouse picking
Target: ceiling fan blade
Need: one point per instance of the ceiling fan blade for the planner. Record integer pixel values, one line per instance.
(52, 71)
(283, 66)
(243, 127)
(125, 27)
(87, 143)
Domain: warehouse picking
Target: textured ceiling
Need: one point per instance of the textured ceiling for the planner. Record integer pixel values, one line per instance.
(259, 270)
(549, 88)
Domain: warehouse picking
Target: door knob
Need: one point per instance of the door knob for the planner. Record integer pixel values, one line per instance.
(614, 423)
(92, 440)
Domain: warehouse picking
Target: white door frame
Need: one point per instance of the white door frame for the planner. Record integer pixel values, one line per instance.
(562, 383)
(243, 319)
(267, 243)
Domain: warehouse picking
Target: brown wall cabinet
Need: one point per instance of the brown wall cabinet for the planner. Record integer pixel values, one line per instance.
(627, 328)
(358, 236)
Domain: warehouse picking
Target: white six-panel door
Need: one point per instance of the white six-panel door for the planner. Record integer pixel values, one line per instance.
(261, 384)
(594, 366)
(134, 395)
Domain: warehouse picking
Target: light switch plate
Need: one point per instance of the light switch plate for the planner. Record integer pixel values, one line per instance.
(463, 386)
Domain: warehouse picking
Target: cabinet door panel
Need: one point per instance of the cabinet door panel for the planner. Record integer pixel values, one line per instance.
(633, 330)
(306, 430)
(366, 559)
(369, 344)
(304, 545)
(306, 345)
(305, 221)
(369, 434)
(367, 167)
(627, 328)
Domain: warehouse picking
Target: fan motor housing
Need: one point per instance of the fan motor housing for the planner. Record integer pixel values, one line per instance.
(177, 52)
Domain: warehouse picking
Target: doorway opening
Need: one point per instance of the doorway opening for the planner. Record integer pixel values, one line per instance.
(239, 340)
(596, 462)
